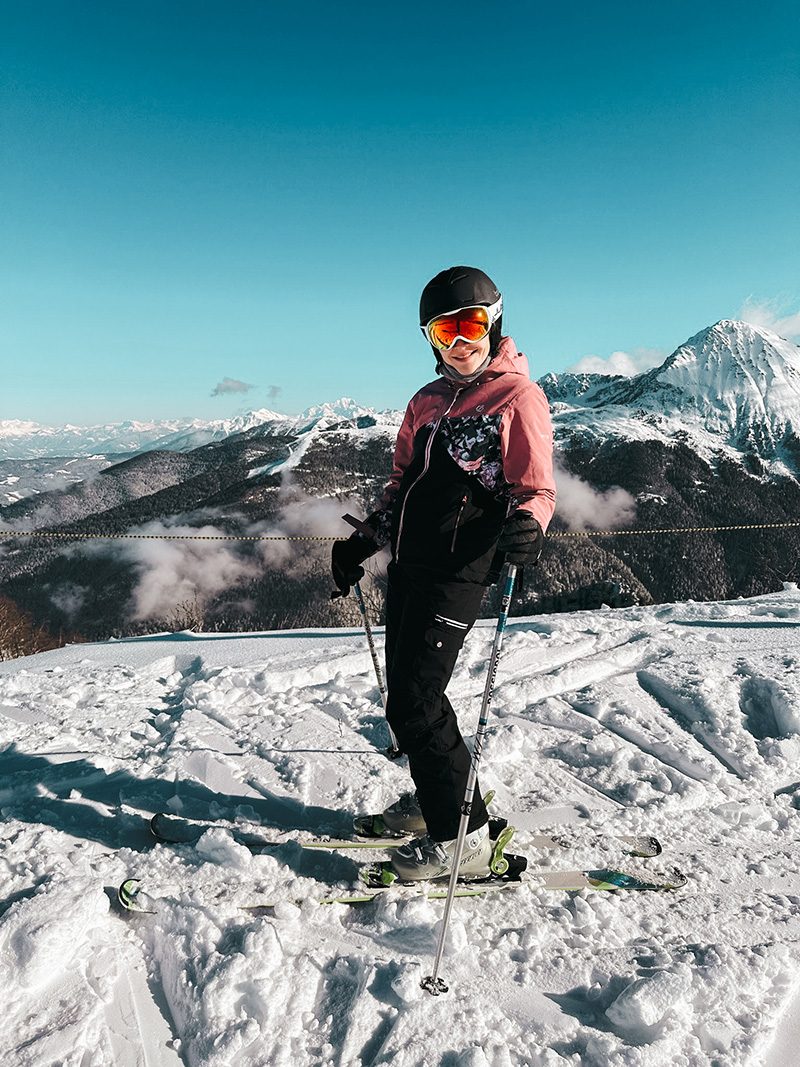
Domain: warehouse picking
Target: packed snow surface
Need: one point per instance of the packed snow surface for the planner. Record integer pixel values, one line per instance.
(677, 720)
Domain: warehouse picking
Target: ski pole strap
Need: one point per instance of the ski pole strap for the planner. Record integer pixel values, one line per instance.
(362, 527)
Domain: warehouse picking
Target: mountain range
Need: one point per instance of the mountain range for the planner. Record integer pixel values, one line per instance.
(711, 437)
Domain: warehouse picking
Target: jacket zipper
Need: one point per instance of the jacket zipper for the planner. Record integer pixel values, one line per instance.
(458, 520)
(422, 473)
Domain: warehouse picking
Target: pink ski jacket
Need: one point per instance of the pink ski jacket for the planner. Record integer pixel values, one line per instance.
(467, 456)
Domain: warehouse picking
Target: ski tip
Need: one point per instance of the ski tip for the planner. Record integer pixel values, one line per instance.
(606, 878)
(645, 846)
(678, 879)
(127, 893)
(128, 897)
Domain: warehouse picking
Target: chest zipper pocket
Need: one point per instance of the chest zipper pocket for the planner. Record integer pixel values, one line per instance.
(458, 521)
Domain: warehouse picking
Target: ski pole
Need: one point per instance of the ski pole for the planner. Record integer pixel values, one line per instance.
(433, 983)
(393, 752)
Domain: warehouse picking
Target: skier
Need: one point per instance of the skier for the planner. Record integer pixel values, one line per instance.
(471, 487)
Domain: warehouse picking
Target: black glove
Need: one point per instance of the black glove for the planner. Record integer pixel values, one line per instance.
(522, 538)
(346, 559)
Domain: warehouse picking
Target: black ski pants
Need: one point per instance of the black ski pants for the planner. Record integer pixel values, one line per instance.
(426, 623)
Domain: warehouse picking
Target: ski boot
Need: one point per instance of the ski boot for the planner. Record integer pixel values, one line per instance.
(401, 819)
(404, 819)
(483, 861)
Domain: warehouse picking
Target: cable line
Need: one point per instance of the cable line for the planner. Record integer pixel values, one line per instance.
(663, 531)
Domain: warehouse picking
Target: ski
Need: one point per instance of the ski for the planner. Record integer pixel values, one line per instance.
(174, 830)
(643, 846)
(381, 877)
(135, 898)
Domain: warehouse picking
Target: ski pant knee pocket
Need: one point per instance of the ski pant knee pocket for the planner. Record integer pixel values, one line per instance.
(422, 676)
(446, 638)
(437, 659)
(417, 709)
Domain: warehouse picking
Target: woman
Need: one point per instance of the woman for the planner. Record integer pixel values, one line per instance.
(471, 487)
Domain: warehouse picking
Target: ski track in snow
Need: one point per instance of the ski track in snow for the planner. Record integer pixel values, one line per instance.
(680, 720)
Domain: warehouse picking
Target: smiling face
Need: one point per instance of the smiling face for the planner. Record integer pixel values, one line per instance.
(466, 356)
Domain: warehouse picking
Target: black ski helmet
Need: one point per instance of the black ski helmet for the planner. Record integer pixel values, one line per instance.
(459, 287)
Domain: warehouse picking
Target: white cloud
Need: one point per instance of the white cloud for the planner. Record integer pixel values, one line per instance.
(772, 315)
(580, 506)
(303, 516)
(231, 385)
(625, 363)
(176, 572)
(69, 598)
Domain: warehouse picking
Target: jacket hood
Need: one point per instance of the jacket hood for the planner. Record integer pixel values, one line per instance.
(507, 361)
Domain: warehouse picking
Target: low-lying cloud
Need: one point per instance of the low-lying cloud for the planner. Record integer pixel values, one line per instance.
(174, 573)
(625, 363)
(303, 516)
(579, 505)
(69, 598)
(171, 573)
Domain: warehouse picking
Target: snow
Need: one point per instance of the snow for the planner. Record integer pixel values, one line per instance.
(24, 478)
(679, 720)
(647, 1000)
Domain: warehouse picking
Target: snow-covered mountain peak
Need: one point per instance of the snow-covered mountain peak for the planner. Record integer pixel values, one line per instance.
(729, 344)
(198, 432)
(733, 378)
(18, 427)
(343, 408)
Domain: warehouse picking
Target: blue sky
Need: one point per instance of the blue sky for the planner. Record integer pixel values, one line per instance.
(195, 192)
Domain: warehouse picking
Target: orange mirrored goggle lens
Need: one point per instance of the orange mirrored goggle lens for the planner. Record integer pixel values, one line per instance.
(470, 323)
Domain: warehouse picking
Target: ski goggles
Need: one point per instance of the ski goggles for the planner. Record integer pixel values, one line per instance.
(468, 324)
